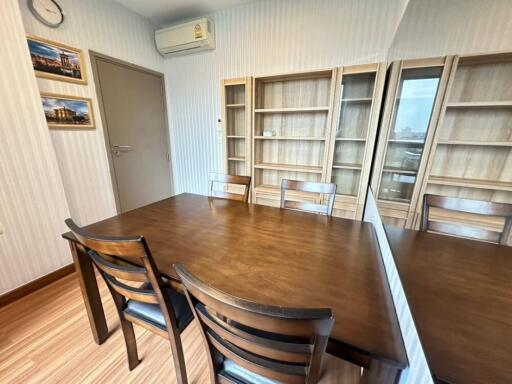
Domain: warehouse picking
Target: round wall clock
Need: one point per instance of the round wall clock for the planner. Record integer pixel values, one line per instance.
(47, 12)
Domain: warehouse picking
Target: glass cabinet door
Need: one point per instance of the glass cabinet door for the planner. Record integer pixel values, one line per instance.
(411, 118)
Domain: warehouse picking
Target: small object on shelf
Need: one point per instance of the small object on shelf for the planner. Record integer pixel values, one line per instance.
(268, 133)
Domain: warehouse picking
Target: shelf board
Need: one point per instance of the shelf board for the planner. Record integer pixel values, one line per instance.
(236, 158)
(406, 141)
(350, 139)
(357, 167)
(400, 171)
(299, 138)
(292, 110)
(480, 104)
(471, 183)
(235, 105)
(476, 143)
(289, 167)
(396, 200)
(357, 100)
(267, 188)
(235, 137)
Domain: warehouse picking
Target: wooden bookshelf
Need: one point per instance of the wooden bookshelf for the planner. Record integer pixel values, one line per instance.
(359, 91)
(236, 118)
(471, 155)
(291, 128)
(415, 94)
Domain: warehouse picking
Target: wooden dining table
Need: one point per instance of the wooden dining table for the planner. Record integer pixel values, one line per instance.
(459, 293)
(272, 256)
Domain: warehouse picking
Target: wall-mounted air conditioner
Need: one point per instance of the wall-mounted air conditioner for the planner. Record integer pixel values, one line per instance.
(193, 36)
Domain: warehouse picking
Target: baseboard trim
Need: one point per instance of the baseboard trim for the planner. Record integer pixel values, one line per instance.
(34, 285)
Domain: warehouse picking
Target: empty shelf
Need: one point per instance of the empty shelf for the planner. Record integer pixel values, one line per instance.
(292, 110)
(289, 167)
(303, 138)
(471, 183)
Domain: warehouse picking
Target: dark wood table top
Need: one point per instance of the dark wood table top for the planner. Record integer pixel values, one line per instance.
(460, 295)
(255, 252)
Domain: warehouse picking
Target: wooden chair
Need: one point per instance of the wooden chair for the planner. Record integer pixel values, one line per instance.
(255, 343)
(154, 305)
(230, 179)
(468, 206)
(328, 189)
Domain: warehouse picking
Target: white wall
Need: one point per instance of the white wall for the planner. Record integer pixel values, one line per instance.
(418, 371)
(443, 27)
(265, 37)
(32, 202)
(108, 28)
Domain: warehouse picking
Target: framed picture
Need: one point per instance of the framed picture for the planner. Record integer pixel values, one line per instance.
(56, 61)
(64, 112)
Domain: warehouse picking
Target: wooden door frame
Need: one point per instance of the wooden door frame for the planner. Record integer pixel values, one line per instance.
(94, 57)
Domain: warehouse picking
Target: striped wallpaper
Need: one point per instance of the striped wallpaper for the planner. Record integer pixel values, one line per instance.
(108, 28)
(32, 202)
(273, 36)
(443, 27)
(265, 37)
(46, 176)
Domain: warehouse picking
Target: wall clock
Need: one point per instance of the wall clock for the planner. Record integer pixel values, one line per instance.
(47, 12)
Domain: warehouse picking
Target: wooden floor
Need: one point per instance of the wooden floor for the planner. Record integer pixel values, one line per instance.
(45, 338)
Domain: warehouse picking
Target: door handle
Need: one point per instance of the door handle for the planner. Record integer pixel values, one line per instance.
(117, 147)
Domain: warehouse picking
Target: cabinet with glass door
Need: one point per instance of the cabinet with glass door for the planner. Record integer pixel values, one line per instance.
(359, 92)
(415, 93)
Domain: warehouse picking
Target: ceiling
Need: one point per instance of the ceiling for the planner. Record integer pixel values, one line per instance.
(162, 12)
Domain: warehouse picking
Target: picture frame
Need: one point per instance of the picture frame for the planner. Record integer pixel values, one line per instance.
(56, 61)
(67, 112)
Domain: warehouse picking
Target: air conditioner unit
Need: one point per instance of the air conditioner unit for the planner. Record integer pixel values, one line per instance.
(193, 36)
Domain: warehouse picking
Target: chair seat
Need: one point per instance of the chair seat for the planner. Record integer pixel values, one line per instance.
(234, 371)
(152, 313)
(334, 371)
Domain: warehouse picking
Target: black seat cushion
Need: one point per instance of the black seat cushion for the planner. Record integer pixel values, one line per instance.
(152, 313)
(234, 371)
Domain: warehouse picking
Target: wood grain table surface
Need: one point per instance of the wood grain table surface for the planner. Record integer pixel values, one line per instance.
(255, 251)
(460, 295)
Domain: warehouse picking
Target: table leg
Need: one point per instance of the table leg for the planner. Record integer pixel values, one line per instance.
(381, 373)
(90, 293)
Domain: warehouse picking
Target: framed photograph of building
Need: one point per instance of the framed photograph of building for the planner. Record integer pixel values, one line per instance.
(64, 112)
(56, 61)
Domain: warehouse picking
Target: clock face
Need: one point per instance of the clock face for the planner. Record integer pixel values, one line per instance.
(47, 11)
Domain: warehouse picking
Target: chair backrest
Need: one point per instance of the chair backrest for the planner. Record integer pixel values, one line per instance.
(328, 189)
(467, 206)
(283, 344)
(104, 252)
(221, 178)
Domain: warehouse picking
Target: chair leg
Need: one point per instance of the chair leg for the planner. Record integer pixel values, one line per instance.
(179, 359)
(131, 344)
